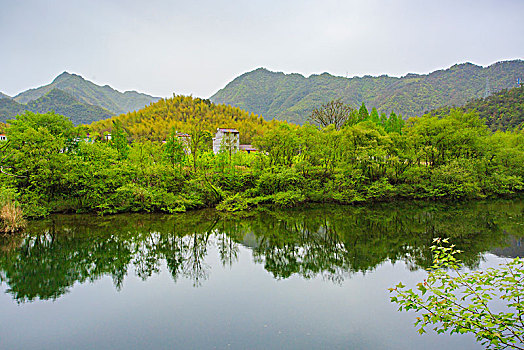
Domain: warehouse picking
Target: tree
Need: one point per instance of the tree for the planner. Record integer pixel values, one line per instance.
(462, 302)
(334, 112)
(199, 137)
(174, 149)
(119, 140)
(229, 144)
(374, 117)
(363, 113)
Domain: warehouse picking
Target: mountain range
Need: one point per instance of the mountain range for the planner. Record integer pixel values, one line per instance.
(80, 100)
(292, 97)
(58, 101)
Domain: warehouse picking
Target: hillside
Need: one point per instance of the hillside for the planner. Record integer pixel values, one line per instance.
(58, 101)
(184, 113)
(9, 108)
(503, 110)
(292, 96)
(90, 93)
(4, 96)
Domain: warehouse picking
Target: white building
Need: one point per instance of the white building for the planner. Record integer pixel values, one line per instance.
(229, 138)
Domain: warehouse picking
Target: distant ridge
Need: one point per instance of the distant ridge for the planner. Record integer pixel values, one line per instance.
(4, 96)
(90, 93)
(58, 101)
(292, 96)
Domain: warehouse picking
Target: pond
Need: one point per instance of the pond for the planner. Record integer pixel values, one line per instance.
(307, 278)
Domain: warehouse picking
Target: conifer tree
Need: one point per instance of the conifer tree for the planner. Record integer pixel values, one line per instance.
(363, 112)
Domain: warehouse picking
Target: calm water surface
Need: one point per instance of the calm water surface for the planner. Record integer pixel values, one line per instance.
(302, 279)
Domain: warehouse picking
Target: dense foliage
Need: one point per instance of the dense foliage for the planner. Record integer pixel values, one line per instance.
(90, 93)
(465, 302)
(292, 97)
(371, 158)
(502, 110)
(184, 114)
(59, 102)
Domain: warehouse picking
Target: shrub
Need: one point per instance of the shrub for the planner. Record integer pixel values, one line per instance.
(12, 218)
(233, 203)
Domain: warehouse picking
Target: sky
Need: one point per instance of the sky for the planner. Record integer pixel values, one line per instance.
(195, 47)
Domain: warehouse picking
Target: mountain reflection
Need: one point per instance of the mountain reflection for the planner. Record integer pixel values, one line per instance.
(328, 241)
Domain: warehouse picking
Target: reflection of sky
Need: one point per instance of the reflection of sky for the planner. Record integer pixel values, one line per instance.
(239, 306)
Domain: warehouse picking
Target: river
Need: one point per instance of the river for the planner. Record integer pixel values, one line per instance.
(306, 278)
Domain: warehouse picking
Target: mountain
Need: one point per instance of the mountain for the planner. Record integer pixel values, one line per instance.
(502, 111)
(292, 96)
(184, 114)
(58, 101)
(90, 93)
(4, 96)
(9, 108)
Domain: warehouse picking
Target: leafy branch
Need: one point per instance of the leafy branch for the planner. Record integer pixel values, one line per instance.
(468, 302)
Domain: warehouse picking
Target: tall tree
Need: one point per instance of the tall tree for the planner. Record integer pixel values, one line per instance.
(119, 140)
(363, 112)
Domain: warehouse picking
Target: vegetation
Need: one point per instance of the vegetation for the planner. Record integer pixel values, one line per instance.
(464, 302)
(292, 97)
(501, 111)
(195, 116)
(371, 158)
(57, 101)
(89, 93)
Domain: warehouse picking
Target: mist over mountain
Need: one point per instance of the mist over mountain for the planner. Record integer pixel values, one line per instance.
(276, 95)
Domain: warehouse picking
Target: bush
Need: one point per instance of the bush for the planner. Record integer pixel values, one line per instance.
(233, 203)
(12, 218)
(285, 180)
(288, 199)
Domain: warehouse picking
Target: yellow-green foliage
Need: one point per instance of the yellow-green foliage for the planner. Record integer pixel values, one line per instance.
(182, 113)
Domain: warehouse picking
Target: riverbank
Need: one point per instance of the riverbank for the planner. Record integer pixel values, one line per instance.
(452, 158)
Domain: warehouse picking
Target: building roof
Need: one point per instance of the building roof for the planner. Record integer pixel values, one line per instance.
(247, 148)
(227, 130)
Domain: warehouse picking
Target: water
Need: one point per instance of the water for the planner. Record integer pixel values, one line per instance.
(306, 278)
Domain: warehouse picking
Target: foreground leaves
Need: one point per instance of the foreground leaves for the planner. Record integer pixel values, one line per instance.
(487, 303)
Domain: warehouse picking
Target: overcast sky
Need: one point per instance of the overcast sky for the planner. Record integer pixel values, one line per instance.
(196, 47)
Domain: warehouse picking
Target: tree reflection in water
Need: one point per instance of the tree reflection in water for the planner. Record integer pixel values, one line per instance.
(333, 242)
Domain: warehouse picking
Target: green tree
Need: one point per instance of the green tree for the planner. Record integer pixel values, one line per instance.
(374, 117)
(174, 149)
(119, 140)
(363, 113)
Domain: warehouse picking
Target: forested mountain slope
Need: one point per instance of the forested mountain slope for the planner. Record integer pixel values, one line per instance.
(4, 96)
(59, 102)
(90, 93)
(502, 111)
(185, 114)
(292, 96)
(9, 108)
